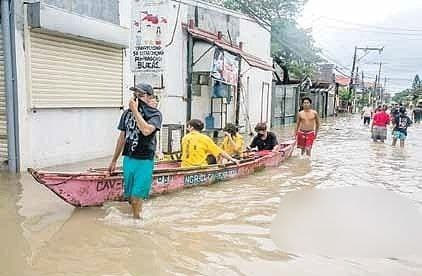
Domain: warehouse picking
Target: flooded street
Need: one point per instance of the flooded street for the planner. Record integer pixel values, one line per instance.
(223, 229)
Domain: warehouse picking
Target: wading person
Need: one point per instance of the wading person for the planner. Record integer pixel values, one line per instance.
(233, 141)
(417, 113)
(264, 140)
(394, 111)
(401, 122)
(307, 127)
(367, 114)
(379, 125)
(198, 149)
(138, 126)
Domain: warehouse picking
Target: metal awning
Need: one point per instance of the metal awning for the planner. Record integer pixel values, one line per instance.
(213, 39)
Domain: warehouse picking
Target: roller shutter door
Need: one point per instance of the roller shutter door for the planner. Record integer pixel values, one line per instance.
(68, 72)
(3, 122)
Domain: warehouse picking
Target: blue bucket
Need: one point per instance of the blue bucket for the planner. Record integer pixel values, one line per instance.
(209, 122)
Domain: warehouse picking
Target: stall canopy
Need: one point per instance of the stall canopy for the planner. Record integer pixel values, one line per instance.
(213, 39)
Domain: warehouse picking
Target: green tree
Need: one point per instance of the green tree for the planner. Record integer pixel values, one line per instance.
(344, 94)
(402, 96)
(416, 83)
(291, 46)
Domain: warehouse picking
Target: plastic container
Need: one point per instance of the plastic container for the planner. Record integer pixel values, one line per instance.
(209, 122)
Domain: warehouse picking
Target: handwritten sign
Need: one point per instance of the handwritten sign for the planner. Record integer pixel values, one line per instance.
(148, 36)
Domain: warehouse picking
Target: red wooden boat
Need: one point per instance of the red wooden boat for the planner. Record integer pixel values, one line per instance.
(96, 186)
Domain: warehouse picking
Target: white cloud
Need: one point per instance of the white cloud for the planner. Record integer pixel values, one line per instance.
(339, 25)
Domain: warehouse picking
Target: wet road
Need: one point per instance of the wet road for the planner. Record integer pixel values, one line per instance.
(222, 229)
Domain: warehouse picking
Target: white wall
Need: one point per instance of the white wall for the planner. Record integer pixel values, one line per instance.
(173, 104)
(256, 41)
(57, 136)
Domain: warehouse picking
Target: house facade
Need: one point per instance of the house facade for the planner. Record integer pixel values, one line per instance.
(67, 67)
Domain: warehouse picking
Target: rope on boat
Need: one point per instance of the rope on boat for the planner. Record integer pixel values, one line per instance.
(64, 181)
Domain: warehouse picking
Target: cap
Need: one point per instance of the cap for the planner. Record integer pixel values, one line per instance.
(143, 88)
(230, 128)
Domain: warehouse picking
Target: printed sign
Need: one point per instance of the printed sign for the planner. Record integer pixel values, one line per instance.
(225, 67)
(148, 35)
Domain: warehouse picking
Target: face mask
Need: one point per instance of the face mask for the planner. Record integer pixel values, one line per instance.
(260, 135)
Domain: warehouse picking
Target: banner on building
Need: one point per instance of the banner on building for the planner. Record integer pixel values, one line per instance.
(149, 27)
(225, 67)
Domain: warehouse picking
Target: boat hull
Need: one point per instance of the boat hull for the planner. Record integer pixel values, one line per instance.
(96, 186)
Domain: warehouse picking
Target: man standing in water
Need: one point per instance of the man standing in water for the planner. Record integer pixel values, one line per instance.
(402, 122)
(417, 112)
(379, 125)
(138, 126)
(307, 127)
(367, 114)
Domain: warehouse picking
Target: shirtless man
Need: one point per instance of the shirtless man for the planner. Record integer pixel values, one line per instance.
(307, 127)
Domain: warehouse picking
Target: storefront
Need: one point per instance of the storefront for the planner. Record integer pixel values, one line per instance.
(285, 104)
(219, 89)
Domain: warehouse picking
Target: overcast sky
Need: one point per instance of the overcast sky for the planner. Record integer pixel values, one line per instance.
(340, 25)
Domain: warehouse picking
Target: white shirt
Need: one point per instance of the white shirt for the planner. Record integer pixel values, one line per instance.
(367, 111)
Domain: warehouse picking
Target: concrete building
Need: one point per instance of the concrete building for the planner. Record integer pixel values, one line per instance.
(69, 74)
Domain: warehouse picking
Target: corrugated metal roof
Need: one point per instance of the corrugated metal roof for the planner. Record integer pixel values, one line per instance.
(342, 80)
(252, 60)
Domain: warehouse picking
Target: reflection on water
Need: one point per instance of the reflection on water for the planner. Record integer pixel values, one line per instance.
(223, 229)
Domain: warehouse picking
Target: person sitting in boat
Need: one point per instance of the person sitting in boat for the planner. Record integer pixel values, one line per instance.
(196, 147)
(233, 141)
(264, 140)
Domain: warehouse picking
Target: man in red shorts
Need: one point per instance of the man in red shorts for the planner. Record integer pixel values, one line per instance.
(307, 127)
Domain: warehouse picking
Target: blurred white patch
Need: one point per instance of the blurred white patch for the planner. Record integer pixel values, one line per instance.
(348, 222)
(116, 217)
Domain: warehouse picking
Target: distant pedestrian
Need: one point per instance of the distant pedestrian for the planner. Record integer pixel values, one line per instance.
(417, 113)
(379, 125)
(394, 111)
(307, 127)
(402, 122)
(366, 114)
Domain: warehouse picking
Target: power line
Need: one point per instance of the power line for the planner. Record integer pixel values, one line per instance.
(371, 31)
(335, 61)
(369, 26)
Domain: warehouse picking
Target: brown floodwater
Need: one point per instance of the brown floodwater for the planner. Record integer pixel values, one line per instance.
(228, 228)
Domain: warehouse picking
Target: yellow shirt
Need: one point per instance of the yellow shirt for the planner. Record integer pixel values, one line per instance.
(195, 149)
(231, 149)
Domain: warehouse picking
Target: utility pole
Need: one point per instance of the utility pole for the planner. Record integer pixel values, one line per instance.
(351, 85)
(379, 82)
(375, 91)
(363, 88)
(357, 76)
(384, 89)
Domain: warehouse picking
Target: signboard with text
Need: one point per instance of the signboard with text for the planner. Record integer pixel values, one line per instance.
(149, 25)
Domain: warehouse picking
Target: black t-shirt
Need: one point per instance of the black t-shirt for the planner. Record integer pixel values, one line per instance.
(268, 144)
(136, 144)
(395, 111)
(402, 123)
